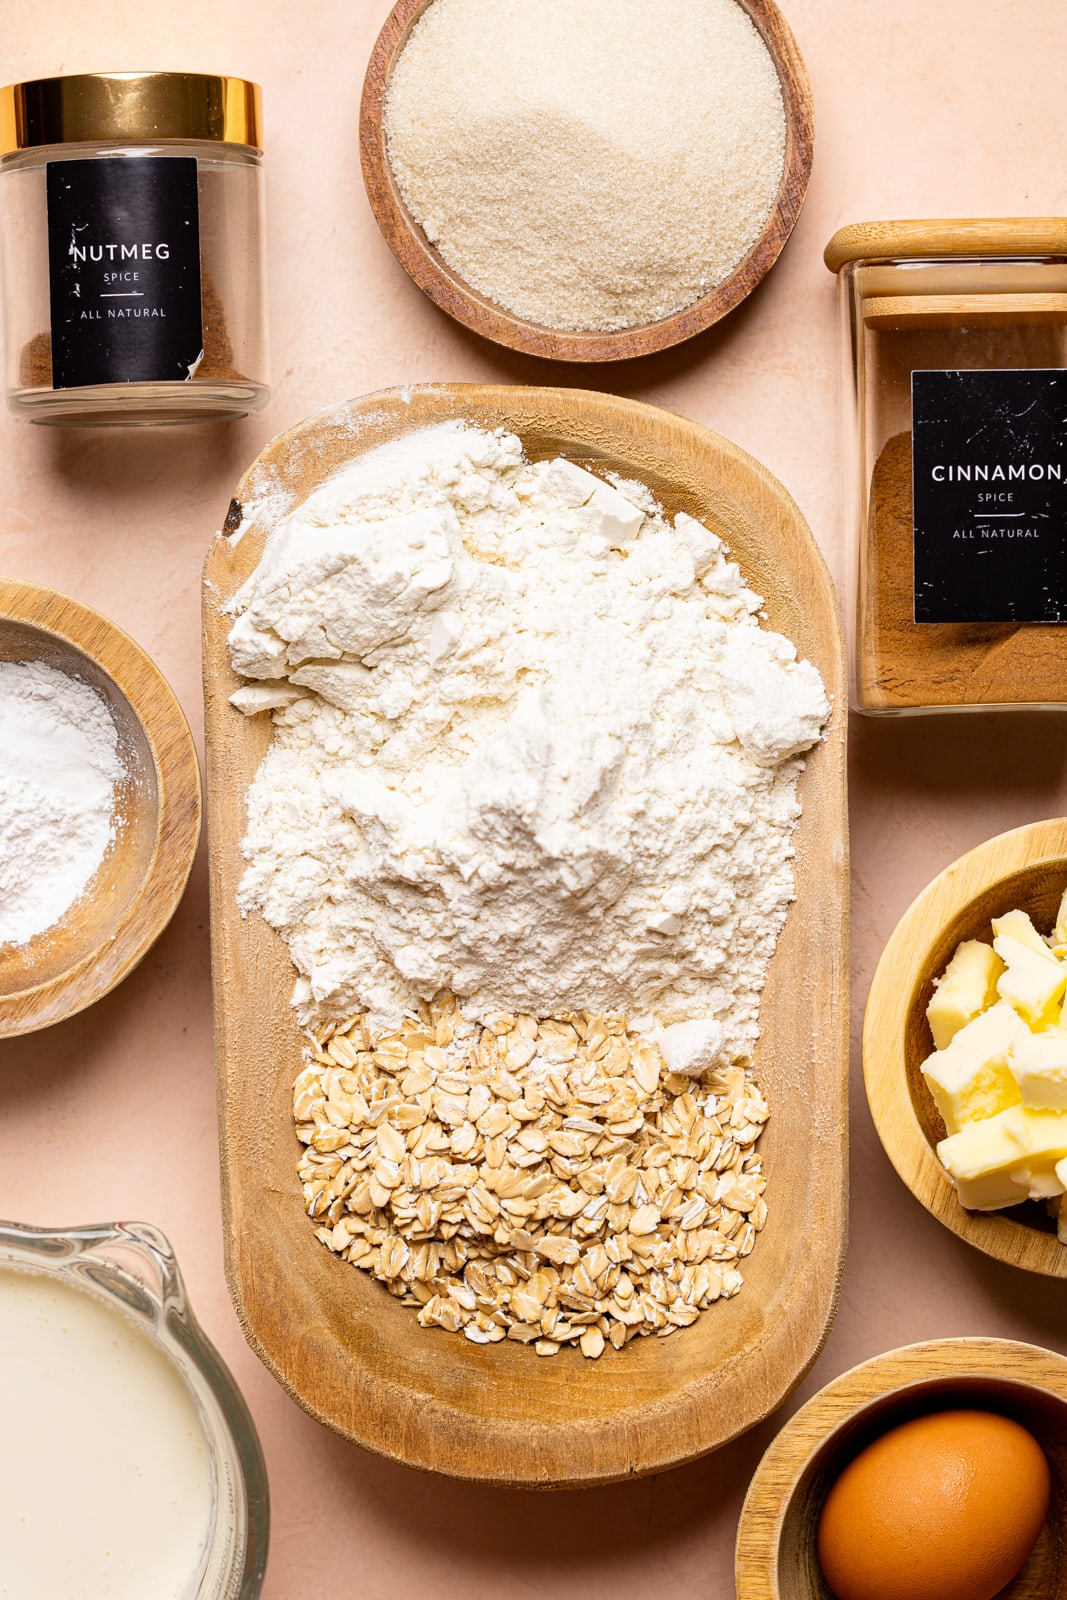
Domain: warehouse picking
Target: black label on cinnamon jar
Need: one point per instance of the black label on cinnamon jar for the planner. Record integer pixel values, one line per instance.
(124, 270)
(989, 495)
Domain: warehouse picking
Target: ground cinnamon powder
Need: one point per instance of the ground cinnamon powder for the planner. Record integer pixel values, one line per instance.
(905, 665)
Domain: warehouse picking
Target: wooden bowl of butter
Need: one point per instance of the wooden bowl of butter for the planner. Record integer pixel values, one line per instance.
(960, 1039)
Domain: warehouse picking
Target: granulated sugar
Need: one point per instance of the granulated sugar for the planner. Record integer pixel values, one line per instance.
(588, 164)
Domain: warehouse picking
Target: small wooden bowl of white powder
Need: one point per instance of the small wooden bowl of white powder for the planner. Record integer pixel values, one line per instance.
(99, 806)
(586, 182)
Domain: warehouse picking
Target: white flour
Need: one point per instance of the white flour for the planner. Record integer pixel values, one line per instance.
(532, 745)
(59, 763)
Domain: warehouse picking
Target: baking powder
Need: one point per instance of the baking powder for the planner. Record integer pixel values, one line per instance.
(58, 770)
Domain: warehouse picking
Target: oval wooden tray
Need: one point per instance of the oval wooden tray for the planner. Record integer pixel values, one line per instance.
(352, 1355)
(1026, 868)
(776, 1553)
(426, 267)
(144, 872)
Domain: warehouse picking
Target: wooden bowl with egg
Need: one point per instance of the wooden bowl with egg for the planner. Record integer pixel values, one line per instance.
(349, 1352)
(447, 289)
(777, 1556)
(136, 889)
(1024, 869)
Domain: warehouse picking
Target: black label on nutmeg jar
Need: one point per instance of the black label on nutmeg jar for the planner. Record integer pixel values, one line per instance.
(989, 495)
(124, 270)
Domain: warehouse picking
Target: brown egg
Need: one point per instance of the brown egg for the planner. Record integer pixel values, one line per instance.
(946, 1507)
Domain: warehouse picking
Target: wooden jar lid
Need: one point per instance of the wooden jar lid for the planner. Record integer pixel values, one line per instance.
(959, 236)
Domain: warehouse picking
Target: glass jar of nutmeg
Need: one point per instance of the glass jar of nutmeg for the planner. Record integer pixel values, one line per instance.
(955, 345)
(131, 248)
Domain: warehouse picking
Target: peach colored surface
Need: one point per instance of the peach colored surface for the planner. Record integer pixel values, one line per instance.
(947, 109)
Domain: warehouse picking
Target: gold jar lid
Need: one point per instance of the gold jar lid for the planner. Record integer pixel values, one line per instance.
(956, 236)
(132, 107)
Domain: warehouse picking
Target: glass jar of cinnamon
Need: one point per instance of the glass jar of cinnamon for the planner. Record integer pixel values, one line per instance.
(131, 248)
(955, 341)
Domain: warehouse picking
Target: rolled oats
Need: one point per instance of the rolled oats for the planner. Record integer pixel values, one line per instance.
(547, 1181)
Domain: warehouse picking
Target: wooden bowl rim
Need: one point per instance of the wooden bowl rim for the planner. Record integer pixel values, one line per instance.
(178, 810)
(592, 1453)
(425, 266)
(889, 1007)
(840, 1402)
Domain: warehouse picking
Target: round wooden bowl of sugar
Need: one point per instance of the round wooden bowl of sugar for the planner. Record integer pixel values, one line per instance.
(155, 820)
(425, 263)
(1025, 869)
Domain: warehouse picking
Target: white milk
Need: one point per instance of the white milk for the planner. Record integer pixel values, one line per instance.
(105, 1476)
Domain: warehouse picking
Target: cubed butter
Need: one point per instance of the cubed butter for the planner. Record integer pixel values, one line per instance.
(1058, 937)
(1051, 1018)
(999, 1072)
(986, 1163)
(1045, 1184)
(1042, 1134)
(1033, 981)
(972, 1079)
(1017, 925)
(1038, 1063)
(1006, 1158)
(968, 986)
